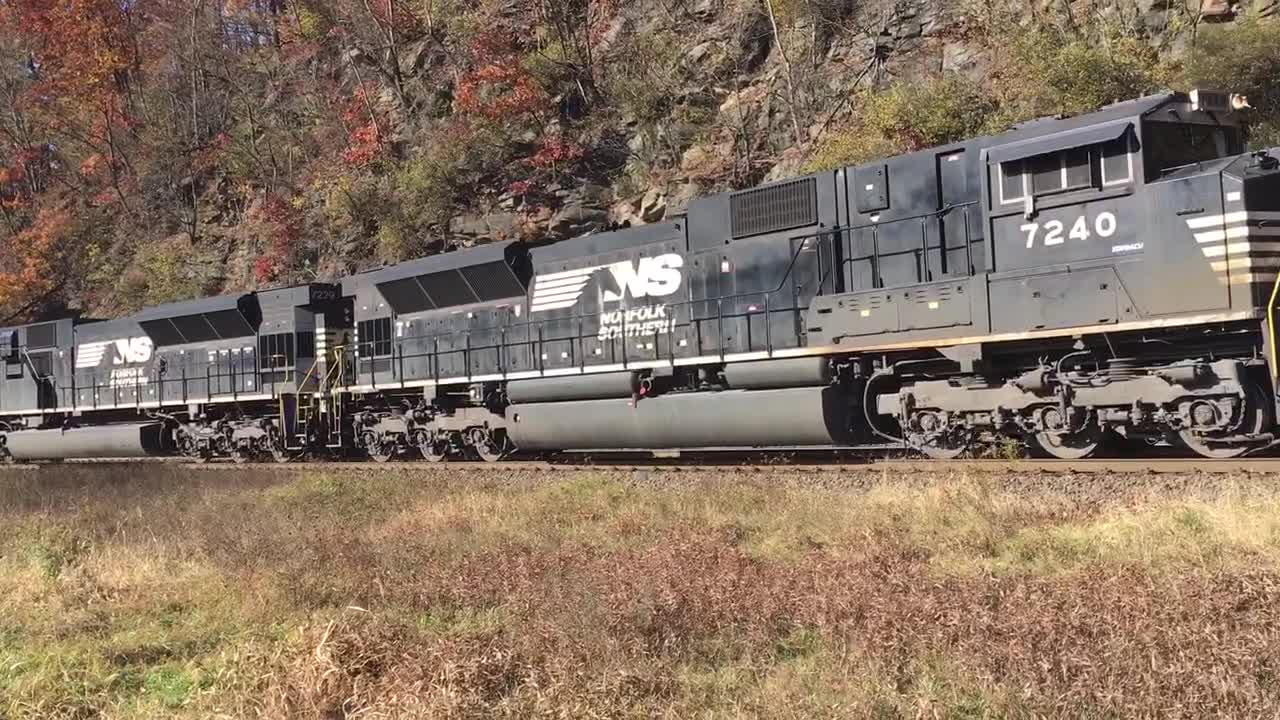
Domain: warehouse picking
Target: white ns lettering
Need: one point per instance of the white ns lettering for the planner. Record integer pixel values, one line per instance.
(1104, 226)
(133, 350)
(653, 277)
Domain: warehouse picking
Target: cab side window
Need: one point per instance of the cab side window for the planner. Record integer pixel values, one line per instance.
(1071, 170)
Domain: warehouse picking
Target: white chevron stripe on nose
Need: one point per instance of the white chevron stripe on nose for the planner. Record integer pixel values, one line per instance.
(89, 355)
(1232, 218)
(559, 290)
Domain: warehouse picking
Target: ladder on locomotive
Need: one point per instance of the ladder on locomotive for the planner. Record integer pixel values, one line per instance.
(301, 409)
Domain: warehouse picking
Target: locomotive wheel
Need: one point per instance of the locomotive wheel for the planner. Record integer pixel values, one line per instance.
(1256, 420)
(486, 445)
(433, 447)
(943, 446)
(240, 456)
(380, 451)
(1078, 445)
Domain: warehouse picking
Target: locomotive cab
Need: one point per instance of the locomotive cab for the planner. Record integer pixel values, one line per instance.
(299, 326)
(36, 362)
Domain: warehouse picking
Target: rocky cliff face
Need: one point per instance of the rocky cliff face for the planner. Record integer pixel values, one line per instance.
(192, 151)
(750, 97)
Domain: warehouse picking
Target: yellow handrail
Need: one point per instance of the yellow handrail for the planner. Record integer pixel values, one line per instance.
(1271, 329)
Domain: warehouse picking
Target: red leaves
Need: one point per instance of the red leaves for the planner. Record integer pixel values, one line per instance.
(208, 157)
(364, 145)
(498, 88)
(555, 152)
(365, 137)
(282, 224)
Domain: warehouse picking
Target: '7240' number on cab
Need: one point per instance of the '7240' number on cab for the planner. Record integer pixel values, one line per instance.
(1055, 231)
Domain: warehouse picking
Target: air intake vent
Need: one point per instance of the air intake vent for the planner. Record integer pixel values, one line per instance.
(775, 208)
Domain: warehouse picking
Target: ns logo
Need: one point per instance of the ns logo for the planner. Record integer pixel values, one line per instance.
(653, 277)
(127, 351)
(657, 276)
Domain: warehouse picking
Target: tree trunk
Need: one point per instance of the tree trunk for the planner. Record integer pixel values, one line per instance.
(787, 73)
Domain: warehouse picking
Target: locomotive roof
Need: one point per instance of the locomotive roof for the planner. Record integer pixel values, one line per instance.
(295, 295)
(191, 307)
(485, 273)
(596, 243)
(478, 255)
(1126, 110)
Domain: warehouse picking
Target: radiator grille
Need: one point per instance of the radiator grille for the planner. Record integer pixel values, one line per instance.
(775, 208)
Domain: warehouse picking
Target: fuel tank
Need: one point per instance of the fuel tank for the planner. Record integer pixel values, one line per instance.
(585, 387)
(813, 416)
(767, 374)
(109, 441)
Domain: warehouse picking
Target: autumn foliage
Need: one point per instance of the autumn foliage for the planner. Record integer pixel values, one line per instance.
(288, 129)
(281, 227)
(160, 150)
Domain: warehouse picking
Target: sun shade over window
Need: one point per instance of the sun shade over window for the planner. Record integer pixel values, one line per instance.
(1056, 142)
(221, 318)
(466, 277)
(1068, 169)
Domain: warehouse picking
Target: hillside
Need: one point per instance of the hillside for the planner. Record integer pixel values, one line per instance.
(164, 149)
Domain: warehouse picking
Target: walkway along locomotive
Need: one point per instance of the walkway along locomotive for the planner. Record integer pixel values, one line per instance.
(1068, 283)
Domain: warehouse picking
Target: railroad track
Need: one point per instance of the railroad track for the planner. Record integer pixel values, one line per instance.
(742, 465)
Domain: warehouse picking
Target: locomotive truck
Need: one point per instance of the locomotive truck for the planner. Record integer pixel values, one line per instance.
(1075, 285)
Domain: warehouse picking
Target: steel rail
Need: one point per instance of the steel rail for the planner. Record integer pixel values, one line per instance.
(742, 465)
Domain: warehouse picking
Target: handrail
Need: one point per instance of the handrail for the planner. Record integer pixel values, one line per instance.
(335, 375)
(754, 293)
(398, 354)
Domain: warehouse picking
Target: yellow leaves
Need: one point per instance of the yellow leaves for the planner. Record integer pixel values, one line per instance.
(905, 118)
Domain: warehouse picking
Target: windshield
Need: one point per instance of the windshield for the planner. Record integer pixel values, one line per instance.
(1172, 145)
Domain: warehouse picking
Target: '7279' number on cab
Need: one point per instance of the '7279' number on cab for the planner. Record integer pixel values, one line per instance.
(1056, 233)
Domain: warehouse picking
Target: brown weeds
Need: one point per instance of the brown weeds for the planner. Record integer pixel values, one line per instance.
(420, 595)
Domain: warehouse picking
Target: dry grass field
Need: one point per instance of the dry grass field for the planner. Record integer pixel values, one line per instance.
(160, 591)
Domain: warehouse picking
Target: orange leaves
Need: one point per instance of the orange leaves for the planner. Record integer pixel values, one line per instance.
(80, 50)
(29, 263)
(13, 194)
(364, 120)
(94, 166)
(499, 92)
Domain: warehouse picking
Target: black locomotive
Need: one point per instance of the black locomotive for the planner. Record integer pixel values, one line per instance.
(1069, 283)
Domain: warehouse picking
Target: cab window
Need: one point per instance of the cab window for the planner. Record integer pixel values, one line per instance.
(1080, 168)
(1169, 146)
